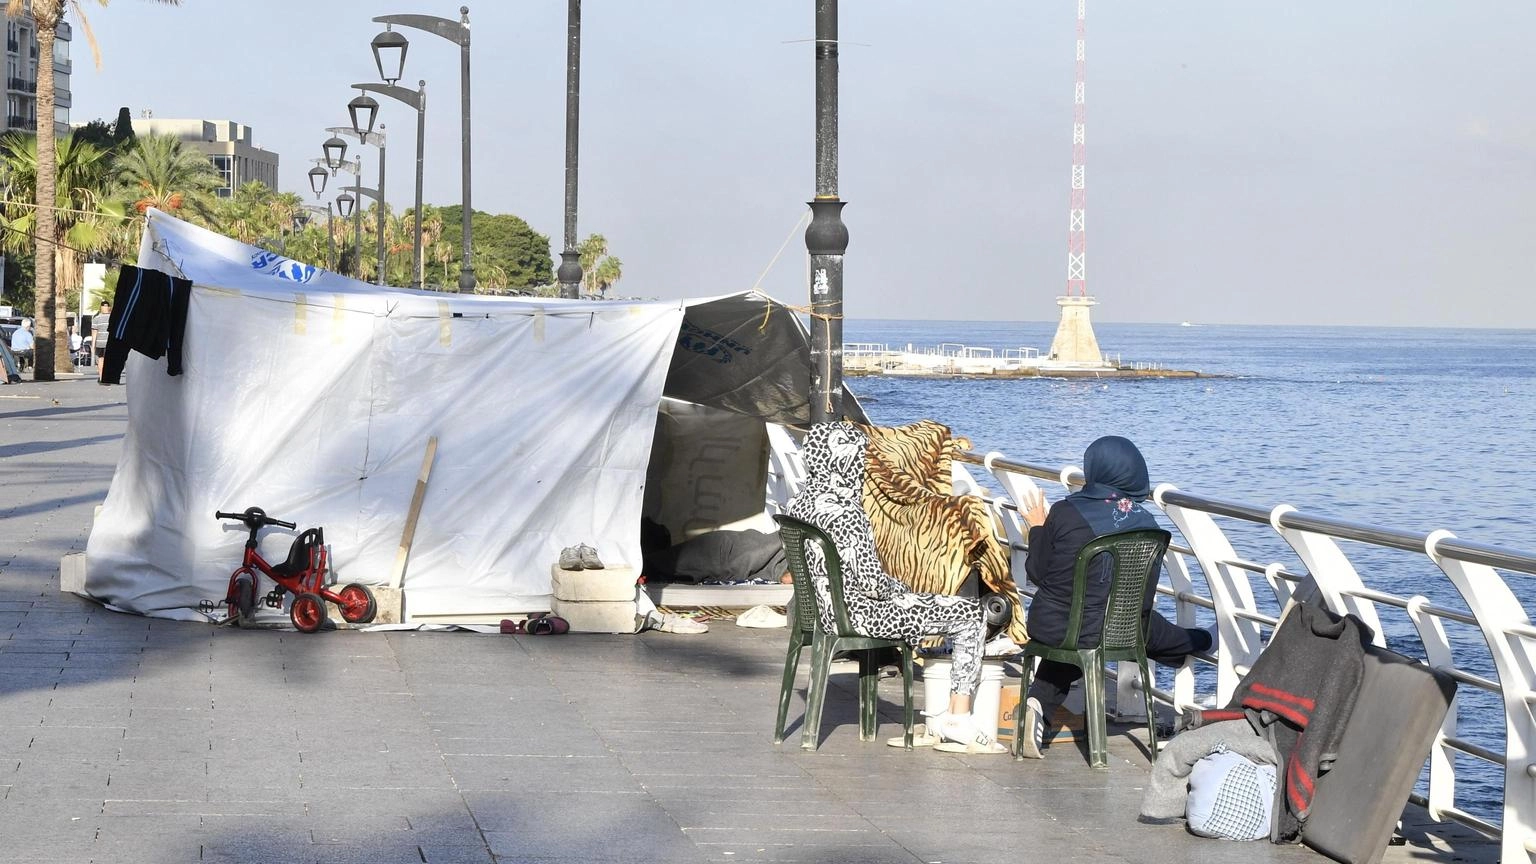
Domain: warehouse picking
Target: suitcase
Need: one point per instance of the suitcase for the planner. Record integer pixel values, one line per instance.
(1397, 714)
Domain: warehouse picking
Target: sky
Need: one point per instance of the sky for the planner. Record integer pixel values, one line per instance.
(1311, 162)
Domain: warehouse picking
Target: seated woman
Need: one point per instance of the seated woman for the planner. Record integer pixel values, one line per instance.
(1115, 484)
(878, 604)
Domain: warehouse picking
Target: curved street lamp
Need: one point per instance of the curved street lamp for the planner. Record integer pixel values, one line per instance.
(356, 170)
(377, 139)
(368, 107)
(417, 99)
(392, 69)
(330, 229)
(390, 46)
(335, 151)
(344, 204)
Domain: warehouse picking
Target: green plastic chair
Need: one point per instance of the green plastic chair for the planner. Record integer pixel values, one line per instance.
(806, 628)
(1135, 556)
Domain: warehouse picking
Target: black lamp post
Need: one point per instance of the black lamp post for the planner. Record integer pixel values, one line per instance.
(356, 169)
(378, 140)
(826, 238)
(364, 110)
(569, 274)
(317, 178)
(417, 99)
(392, 68)
(344, 204)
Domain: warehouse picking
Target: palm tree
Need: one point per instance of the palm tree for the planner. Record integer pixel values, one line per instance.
(84, 212)
(158, 172)
(608, 272)
(599, 270)
(52, 345)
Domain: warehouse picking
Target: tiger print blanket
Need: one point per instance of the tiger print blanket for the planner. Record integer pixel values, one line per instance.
(925, 535)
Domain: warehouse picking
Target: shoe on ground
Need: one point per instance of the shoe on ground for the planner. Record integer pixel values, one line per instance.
(1032, 736)
(588, 557)
(669, 623)
(921, 737)
(959, 733)
(570, 558)
(762, 616)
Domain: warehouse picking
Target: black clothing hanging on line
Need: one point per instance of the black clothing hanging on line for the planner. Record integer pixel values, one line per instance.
(149, 315)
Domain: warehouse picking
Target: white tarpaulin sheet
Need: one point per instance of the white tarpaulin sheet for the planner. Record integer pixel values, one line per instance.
(313, 396)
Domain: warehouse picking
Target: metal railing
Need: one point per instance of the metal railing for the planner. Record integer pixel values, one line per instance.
(1235, 583)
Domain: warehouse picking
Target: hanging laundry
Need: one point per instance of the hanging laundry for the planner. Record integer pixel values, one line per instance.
(149, 315)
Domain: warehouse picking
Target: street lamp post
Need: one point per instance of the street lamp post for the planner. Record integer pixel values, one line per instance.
(317, 178)
(826, 238)
(333, 159)
(378, 140)
(389, 50)
(569, 273)
(416, 99)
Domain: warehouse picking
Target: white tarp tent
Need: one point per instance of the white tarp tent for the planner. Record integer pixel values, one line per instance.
(313, 395)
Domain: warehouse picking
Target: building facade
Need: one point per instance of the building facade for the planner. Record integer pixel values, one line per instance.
(21, 75)
(227, 145)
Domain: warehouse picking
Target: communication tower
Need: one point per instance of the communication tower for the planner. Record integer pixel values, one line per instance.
(1075, 342)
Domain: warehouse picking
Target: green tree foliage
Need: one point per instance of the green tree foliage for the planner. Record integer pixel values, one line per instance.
(122, 130)
(158, 172)
(97, 133)
(509, 255)
(87, 218)
(599, 270)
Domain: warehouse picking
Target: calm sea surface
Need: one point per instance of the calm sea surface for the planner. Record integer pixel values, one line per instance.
(1417, 429)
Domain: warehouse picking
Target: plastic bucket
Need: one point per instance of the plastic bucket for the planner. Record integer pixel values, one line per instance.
(989, 692)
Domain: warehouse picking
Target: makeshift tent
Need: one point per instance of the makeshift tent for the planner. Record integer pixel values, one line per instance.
(313, 396)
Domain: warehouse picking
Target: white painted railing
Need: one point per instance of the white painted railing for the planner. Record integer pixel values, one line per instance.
(1239, 589)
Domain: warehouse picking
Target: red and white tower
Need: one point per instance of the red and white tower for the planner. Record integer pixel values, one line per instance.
(1075, 342)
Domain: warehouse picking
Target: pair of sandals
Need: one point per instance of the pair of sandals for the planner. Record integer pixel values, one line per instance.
(537, 624)
(948, 733)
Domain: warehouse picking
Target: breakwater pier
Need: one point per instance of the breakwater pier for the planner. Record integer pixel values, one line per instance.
(956, 360)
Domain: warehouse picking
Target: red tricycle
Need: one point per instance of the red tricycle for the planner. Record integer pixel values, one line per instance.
(303, 574)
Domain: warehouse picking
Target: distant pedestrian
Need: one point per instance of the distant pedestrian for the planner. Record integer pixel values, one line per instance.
(23, 344)
(100, 327)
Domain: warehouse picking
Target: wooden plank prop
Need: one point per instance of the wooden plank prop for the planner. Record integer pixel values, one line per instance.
(397, 575)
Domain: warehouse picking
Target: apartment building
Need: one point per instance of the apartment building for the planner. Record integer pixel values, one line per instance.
(21, 75)
(227, 145)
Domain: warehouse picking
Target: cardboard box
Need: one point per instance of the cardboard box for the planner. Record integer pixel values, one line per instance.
(1064, 725)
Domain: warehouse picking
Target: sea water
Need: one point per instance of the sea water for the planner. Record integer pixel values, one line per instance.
(1417, 429)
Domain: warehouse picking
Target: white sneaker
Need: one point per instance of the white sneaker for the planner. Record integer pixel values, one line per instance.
(670, 623)
(1032, 736)
(959, 733)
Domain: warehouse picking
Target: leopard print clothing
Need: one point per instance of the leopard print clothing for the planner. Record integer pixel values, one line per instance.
(878, 604)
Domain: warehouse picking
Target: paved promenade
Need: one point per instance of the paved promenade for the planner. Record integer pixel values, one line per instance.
(127, 739)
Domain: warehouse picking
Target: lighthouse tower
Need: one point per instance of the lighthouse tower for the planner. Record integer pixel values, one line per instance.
(1075, 342)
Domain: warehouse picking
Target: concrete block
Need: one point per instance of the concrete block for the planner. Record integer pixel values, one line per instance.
(597, 616)
(72, 572)
(390, 607)
(613, 584)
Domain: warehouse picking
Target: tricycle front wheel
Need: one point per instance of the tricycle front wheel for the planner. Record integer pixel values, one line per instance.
(307, 612)
(357, 604)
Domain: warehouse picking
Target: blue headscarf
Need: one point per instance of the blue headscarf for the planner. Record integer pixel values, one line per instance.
(1115, 481)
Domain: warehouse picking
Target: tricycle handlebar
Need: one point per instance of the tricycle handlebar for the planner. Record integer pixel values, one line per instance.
(254, 517)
